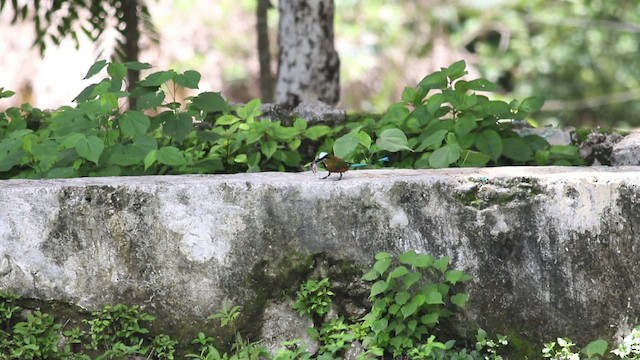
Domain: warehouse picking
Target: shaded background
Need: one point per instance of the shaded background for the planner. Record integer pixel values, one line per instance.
(582, 55)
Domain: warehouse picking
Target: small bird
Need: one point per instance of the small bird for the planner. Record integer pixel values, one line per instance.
(332, 163)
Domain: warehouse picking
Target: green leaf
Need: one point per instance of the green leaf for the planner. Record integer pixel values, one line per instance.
(134, 123)
(481, 85)
(402, 297)
(380, 325)
(157, 78)
(442, 264)
(531, 104)
(444, 156)
(435, 80)
(516, 149)
(398, 272)
(434, 297)
(393, 140)
(434, 103)
(430, 319)
(470, 158)
(411, 279)
(434, 140)
(409, 94)
(346, 144)
(241, 159)
(464, 125)
(596, 347)
(150, 159)
(370, 276)
(455, 70)
(316, 132)
(178, 127)
(117, 70)
(382, 265)
(408, 309)
(460, 300)
(300, 124)
(150, 100)
(364, 139)
(378, 288)
(95, 68)
(210, 102)
(189, 79)
(170, 155)
(456, 276)
(489, 143)
(269, 148)
(90, 148)
(227, 119)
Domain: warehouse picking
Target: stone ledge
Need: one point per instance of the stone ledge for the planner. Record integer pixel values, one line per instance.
(553, 250)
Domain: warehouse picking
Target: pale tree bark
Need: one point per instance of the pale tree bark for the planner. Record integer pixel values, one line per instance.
(308, 67)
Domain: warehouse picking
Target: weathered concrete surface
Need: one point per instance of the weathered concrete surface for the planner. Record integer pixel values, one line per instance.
(553, 251)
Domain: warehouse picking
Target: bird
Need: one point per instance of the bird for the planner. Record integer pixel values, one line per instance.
(334, 164)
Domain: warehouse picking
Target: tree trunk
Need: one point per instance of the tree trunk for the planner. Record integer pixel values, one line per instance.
(264, 54)
(309, 67)
(131, 42)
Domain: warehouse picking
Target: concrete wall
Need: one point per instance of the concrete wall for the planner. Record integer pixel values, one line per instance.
(553, 251)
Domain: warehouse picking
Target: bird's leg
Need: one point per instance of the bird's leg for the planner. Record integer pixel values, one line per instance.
(340, 177)
(327, 176)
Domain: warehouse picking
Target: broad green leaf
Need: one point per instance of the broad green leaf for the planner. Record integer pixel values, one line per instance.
(364, 139)
(434, 103)
(393, 140)
(210, 102)
(442, 263)
(69, 141)
(460, 300)
(481, 85)
(445, 156)
(268, 148)
(531, 104)
(464, 125)
(95, 68)
(227, 119)
(383, 255)
(382, 265)
(516, 149)
(316, 132)
(567, 150)
(435, 80)
(150, 159)
(178, 127)
(430, 319)
(402, 297)
(117, 70)
(134, 123)
(407, 257)
(470, 158)
(411, 279)
(456, 276)
(300, 124)
(398, 272)
(189, 79)
(409, 94)
(150, 100)
(455, 70)
(380, 325)
(434, 140)
(170, 155)
(90, 148)
(489, 143)
(371, 275)
(157, 78)
(434, 297)
(284, 133)
(596, 347)
(378, 288)
(408, 309)
(346, 144)
(241, 159)
(536, 142)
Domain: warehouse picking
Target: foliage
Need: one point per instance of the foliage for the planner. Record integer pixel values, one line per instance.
(446, 122)
(55, 21)
(410, 299)
(314, 298)
(630, 346)
(159, 136)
